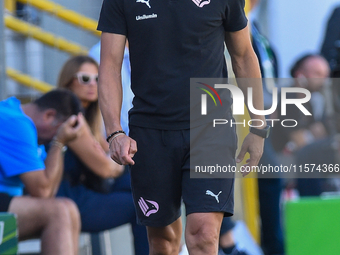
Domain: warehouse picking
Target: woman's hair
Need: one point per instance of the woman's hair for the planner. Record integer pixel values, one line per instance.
(65, 79)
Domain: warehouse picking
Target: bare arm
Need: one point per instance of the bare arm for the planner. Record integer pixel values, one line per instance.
(45, 182)
(122, 147)
(91, 153)
(245, 65)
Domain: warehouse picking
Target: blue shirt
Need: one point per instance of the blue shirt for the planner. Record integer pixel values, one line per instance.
(19, 150)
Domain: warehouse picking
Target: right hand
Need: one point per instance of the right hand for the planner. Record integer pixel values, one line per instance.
(122, 150)
(70, 129)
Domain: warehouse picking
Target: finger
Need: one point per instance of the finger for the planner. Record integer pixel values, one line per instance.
(246, 170)
(115, 155)
(127, 160)
(79, 123)
(115, 159)
(241, 155)
(133, 148)
(125, 157)
(80, 118)
(72, 120)
(254, 159)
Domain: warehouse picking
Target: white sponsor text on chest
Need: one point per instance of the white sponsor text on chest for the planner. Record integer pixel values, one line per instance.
(151, 16)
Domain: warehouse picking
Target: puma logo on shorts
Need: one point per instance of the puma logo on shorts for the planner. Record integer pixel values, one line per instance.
(210, 193)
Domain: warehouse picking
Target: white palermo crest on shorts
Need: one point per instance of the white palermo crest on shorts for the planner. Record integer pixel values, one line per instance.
(210, 193)
(148, 207)
(201, 3)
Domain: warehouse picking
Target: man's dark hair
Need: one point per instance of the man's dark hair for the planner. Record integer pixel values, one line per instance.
(300, 62)
(62, 100)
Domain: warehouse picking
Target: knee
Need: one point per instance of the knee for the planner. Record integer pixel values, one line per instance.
(165, 242)
(71, 209)
(202, 237)
(65, 212)
(162, 246)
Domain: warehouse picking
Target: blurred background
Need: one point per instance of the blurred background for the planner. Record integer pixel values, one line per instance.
(38, 36)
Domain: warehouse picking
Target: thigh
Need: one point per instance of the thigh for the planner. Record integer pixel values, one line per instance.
(208, 195)
(34, 214)
(204, 192)
(100, 212)
(156, 175)
(123, 182)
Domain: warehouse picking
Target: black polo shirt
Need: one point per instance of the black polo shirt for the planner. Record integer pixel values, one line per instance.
(170, 42)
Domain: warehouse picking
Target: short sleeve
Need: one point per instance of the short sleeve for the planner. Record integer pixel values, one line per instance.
(112, 18)
(235, 17)
(19, 150)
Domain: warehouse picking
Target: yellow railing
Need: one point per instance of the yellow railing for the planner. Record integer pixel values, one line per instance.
(47, 38)
(64, 14)
(28, 80)
(43, 36)
(10, 5)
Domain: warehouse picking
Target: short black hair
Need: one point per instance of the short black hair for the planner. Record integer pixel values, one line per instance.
(299, 63)
(65, 102)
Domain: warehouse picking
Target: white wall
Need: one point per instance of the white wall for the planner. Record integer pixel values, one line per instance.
(294, 27)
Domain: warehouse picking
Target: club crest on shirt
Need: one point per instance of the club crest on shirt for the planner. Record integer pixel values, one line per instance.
(147, 2)
(201, 3)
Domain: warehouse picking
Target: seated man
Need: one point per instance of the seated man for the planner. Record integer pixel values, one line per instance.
(310, 72)
(51, 117)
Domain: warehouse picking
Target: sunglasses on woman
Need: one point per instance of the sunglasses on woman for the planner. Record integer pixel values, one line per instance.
(85, 78)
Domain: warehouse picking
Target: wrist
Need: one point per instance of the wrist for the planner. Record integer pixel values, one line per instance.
(259, 123)
(260, 131)
(57, 139)
(112, 128)
(114, 134)
(114, 137)
(57, 143)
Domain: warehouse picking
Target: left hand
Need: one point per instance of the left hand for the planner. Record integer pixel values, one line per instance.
(70, 129)
(253, 144)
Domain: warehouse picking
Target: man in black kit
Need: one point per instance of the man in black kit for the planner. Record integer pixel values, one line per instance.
(170, 42)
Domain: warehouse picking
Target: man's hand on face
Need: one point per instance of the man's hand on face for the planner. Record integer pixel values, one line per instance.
(70, 129)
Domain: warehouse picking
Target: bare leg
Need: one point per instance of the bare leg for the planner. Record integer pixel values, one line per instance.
(55, 221)
(165, 240)
(202, 233)
(75, 221)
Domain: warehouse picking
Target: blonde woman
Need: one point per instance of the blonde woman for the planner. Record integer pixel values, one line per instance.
(86, 159)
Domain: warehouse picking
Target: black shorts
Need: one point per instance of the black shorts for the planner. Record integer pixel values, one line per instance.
(161, 178)
(5, 200)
